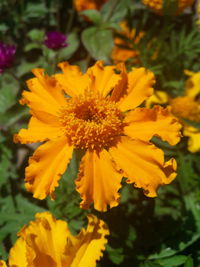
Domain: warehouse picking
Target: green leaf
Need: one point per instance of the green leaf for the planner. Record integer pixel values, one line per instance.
(7, 97)
(35, 10)
(73, 44)
(116, 255)
(189, 262)
(36, 35)
(98, 42)
(3, 28)
(93, 14)
(167, 252)
(6, 166)
(173, 261)
(115, 10)
(31, 46)
(26, 67)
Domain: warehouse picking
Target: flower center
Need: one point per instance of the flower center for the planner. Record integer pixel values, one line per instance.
(186, 107)
(91, 122)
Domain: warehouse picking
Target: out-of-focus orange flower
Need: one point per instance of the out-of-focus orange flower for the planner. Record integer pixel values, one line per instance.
(47, 242)
(157, 5)
(81, 5)
(99, 115)
(185, 107)
(123, 49)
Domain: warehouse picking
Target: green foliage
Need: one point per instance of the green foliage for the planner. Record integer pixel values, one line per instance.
(98, 39)
(144, 232)
(98, 42)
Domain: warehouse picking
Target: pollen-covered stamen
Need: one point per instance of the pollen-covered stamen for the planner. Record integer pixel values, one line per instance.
(91, 122)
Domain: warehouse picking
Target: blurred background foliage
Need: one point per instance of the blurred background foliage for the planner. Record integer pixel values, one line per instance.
(145, 232)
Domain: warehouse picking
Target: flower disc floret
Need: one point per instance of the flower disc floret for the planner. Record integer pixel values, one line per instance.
(91, 122)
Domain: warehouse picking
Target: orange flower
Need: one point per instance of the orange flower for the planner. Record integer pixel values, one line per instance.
(186, 107)
(96, 112)
(81, 5)
(157, 5)
(47, 242)
(123, 50)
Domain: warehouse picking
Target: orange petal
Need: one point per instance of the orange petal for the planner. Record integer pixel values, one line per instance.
(44, 94)
(72, 80)
(143, 164)
(89, 243)
(121, 88)
(46, 166)
(144, 123)
(18, 254)
(140, 83)
(39, 131)
(47, 242)
(103, 78)
(48, 238)
(98, 181)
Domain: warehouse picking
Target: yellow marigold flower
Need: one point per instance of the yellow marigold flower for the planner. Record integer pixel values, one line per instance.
(188, 107)
(99, 116)
(123, 50)
(157, 5)
(81, 5)
(184, 107)
(194, 138)
(47, 242)
(192, 84)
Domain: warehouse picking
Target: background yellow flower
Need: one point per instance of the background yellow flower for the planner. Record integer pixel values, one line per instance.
(185, 107)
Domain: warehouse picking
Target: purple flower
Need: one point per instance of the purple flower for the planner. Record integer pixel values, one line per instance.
(55, 40)
(6, 56)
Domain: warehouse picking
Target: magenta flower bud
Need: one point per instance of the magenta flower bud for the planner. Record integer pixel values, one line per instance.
(55, 40)
(6, 56)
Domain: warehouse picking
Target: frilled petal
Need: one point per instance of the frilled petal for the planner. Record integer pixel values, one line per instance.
(72, 80)
(39, 131)
(98, 181)
(89, 244)
(48, 238)
(47, 242)
(46, 166)
(143, 164)
(44, 95)
(144, 123)
(194, 138)
(3, 264)
(121, 88)
(103, 78)
(140, 83)
(18, 254)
